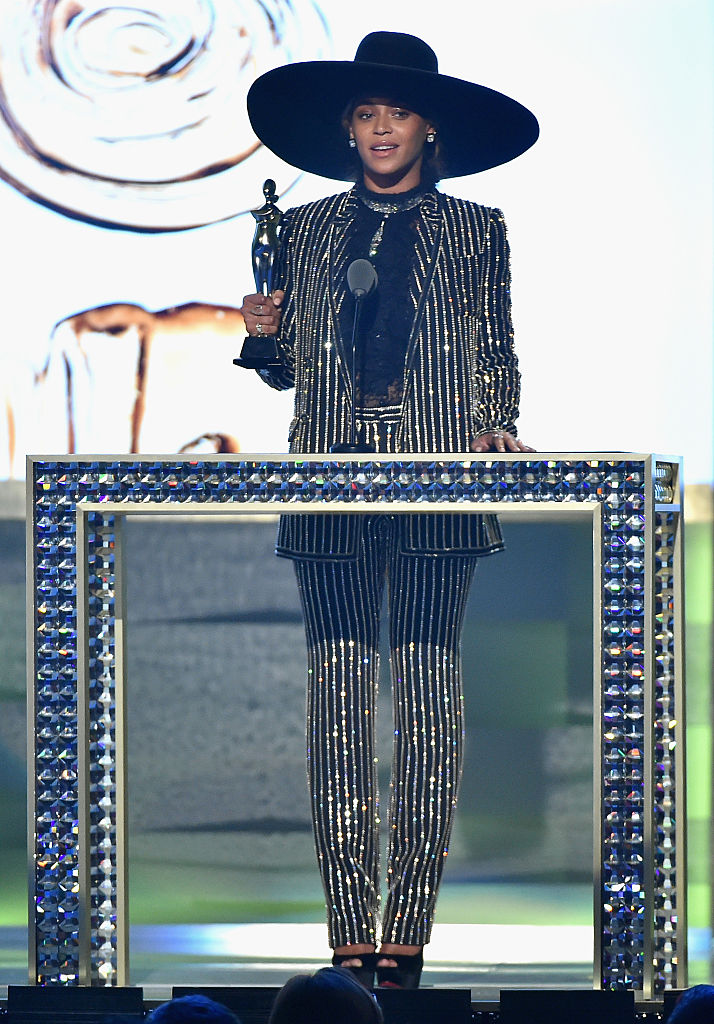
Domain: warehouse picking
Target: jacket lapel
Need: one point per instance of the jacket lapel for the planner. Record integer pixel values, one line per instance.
(429, 233)
(337, 286)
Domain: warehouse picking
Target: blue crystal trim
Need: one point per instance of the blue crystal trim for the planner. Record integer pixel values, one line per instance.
(620, 489)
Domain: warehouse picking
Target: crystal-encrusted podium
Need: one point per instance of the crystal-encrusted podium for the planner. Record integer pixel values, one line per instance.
(78, 917)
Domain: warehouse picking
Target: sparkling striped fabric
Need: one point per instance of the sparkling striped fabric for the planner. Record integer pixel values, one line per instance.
(460, 378)
(461, 373)
(341, 606)
(341, 600)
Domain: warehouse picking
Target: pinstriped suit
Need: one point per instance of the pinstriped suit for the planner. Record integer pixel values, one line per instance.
(461, 372)
(460, 378)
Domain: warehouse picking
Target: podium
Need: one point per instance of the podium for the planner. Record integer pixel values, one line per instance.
(78, 927)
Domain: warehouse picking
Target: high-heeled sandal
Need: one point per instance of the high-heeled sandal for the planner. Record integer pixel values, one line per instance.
(363, 974)
(406, 974)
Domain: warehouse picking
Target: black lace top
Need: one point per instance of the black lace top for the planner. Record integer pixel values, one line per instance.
(385, 233)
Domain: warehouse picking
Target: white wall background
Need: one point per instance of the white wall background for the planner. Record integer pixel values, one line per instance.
(610, 221)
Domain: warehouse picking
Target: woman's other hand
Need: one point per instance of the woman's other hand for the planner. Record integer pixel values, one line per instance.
(499, 441)
(261, 313)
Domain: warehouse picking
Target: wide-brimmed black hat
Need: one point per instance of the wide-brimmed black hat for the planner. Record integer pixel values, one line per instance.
(296, 110)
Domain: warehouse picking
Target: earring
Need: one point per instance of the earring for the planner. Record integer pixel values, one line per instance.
(431, 136)
(352, 144)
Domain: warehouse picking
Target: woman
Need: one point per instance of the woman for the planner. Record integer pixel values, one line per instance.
(435, 372)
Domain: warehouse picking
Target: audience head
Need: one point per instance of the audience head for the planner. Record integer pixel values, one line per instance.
(695, 1006)
(194, 1009)
(330, 996)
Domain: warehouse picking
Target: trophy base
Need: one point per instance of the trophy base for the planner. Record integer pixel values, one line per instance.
(258, 354)
(256, 364)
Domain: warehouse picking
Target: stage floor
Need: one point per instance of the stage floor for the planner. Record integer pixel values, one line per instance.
(485, 958)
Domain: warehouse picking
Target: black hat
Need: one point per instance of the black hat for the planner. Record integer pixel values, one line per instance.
(296, 110)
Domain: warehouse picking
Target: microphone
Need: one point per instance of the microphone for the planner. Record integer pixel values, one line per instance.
(361, 278)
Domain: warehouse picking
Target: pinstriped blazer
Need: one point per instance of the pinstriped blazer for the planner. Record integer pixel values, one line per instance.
(460, 376)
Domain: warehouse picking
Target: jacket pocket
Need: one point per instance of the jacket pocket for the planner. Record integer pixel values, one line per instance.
(448, 534)
(318, 536)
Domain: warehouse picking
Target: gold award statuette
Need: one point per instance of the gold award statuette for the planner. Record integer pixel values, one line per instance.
(260, 352)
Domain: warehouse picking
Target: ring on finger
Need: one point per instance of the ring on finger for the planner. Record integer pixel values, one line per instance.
(259, 328)
(258, 310)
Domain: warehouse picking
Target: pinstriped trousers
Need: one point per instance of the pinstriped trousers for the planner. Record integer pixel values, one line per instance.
(341, 606)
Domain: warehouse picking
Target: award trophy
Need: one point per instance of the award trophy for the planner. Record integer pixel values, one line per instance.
(262, 351)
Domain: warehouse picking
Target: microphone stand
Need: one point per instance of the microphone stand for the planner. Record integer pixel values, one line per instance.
(353, 445)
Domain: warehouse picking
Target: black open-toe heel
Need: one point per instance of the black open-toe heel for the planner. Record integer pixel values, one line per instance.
(406, 974)
(363, 974)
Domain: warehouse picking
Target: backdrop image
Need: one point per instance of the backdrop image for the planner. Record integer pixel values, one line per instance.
(127, 166)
